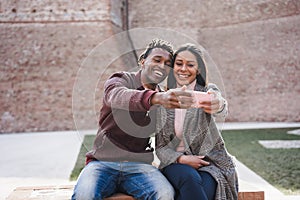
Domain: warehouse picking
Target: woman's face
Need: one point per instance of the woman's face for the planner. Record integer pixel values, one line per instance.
(185, 68)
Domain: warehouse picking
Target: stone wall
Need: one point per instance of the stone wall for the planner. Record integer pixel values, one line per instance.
(255, 44)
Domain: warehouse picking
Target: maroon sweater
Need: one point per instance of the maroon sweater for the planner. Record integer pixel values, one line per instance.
(125, 123)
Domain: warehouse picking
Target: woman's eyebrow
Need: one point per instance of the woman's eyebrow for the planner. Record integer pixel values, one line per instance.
(180, 59)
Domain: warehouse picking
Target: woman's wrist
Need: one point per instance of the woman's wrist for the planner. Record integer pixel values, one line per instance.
(180, 159)
(222, 105)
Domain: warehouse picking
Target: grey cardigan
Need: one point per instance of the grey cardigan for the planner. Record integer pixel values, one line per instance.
(201, 137)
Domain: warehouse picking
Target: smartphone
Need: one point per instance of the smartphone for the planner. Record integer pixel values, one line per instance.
(200, 97)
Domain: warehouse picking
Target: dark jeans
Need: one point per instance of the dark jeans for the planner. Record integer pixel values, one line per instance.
(189, 183)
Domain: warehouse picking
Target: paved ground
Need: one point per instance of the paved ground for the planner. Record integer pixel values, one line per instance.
(42, 159)
(280, 144)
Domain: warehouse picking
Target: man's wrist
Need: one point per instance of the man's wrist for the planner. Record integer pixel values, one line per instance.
(154, 99)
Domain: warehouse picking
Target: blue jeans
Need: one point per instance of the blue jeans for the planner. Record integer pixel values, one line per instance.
(189, 183)
(100, 179)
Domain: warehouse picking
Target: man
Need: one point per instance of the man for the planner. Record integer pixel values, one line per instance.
(122, 154)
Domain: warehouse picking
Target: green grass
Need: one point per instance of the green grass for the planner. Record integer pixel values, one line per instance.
(80, 163)
(280, 167)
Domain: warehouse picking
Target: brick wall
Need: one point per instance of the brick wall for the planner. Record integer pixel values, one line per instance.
(255, 44)
(43, 45)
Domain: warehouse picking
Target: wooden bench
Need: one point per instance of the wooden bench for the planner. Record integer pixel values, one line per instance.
(242, 196)
(65, 192)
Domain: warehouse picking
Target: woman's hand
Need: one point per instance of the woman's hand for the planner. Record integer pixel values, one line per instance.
(215, 104)
(193, 161)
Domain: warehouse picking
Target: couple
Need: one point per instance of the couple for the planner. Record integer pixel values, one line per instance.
(194, 161)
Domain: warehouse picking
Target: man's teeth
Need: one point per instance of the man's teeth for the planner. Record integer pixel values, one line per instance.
(159, 73)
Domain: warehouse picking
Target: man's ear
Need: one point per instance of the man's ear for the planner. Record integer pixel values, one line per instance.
(142, 61)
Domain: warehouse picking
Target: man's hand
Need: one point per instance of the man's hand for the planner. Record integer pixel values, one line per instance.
(193, 161)
(173, 98)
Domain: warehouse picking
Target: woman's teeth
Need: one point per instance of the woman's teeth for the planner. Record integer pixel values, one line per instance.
(183, 76)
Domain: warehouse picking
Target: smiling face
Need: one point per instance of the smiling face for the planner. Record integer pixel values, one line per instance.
(156, 66)
(185, 68)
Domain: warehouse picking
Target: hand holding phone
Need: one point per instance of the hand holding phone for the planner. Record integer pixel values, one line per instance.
(201, 98)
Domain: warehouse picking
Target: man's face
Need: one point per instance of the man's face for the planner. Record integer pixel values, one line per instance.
(156, 66)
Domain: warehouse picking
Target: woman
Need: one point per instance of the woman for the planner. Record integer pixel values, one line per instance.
(189, 145)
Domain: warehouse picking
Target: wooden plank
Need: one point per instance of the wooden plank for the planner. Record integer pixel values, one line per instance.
(65, 192)
(257, 195)
(120, 196)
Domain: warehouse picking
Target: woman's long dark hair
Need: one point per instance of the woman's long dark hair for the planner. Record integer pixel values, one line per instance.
(201, 77)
